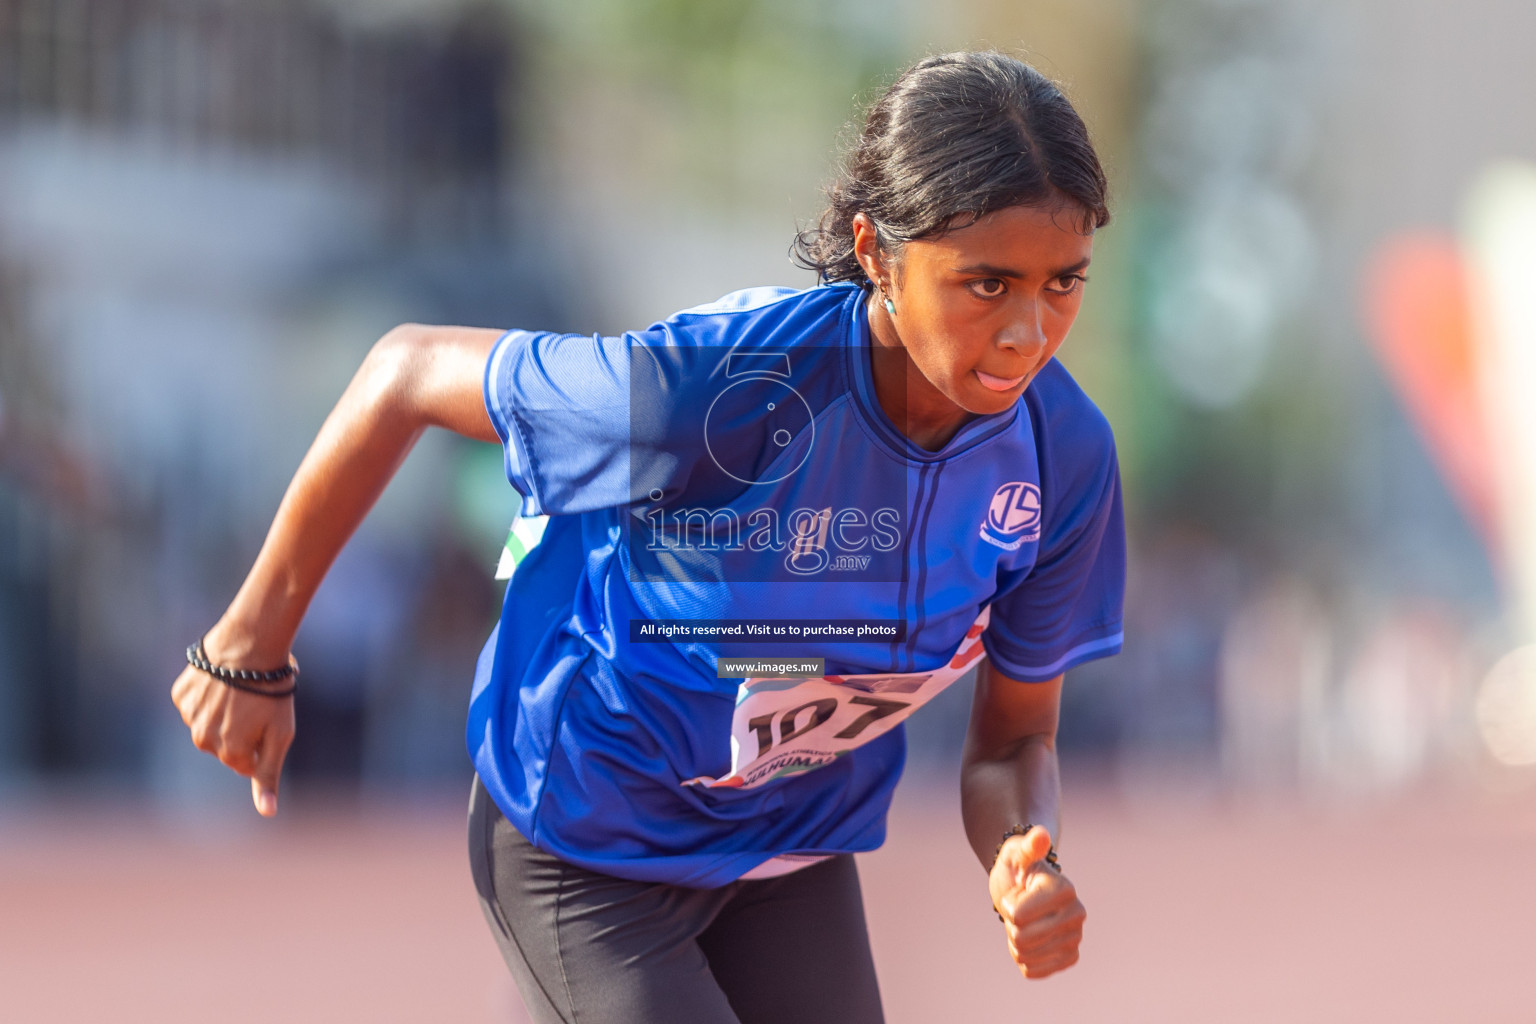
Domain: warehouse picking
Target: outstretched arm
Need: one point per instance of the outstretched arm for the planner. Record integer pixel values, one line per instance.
(413, 378)
(1010, 776)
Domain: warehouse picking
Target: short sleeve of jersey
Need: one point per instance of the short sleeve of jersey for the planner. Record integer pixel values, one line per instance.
(589, 422)
(560, 403)
(1068, 608)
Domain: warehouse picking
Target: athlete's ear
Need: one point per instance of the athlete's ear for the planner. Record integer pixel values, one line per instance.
(866, 248)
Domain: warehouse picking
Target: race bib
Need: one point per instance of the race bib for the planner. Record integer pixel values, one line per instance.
(787, 726)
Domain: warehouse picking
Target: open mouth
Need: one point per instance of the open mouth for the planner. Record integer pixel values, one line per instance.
(999, 383)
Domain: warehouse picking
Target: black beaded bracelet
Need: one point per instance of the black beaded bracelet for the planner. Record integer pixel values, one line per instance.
(244, 678)
(1020, 830)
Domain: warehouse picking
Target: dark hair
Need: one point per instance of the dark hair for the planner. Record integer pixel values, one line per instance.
(955, 137)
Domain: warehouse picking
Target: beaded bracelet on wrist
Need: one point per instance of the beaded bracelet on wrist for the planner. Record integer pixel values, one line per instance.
(1019, 830)
(245, 678)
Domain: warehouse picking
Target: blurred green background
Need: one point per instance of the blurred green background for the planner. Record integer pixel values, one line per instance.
(209, 211)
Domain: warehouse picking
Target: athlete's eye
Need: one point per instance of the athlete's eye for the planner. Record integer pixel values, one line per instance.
(987, 287)
(1066, 284)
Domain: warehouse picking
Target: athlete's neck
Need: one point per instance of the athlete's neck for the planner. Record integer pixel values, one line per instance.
(918, 409)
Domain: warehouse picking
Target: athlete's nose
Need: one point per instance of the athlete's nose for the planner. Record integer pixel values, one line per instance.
(1024, 333)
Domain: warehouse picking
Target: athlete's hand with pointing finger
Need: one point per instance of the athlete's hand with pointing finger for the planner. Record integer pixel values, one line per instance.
(1041, 912)
(416, 376)
(249, 732)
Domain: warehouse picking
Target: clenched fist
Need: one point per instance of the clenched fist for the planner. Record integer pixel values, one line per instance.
(248, 732)
(1039, 906)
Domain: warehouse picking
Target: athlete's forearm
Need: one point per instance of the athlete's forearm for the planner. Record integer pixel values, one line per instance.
(413, 378)
(1020, 784)
(1009, 774)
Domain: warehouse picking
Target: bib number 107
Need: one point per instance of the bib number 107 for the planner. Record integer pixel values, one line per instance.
(794, 722)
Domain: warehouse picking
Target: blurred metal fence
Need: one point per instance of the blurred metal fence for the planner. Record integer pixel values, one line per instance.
(410, 107)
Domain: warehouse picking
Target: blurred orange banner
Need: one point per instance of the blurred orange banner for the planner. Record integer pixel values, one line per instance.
(1418, 304)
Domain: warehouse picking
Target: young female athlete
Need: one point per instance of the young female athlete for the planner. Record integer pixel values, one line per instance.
(889, 472)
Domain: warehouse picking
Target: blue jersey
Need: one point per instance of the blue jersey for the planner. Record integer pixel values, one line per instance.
(731, 468)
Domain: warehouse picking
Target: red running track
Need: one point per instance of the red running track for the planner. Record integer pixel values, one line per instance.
(1418, 909)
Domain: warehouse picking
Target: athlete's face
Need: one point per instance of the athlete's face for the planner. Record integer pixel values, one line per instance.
(979, 311)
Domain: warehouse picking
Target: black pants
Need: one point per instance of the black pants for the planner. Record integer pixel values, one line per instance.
(587, 948)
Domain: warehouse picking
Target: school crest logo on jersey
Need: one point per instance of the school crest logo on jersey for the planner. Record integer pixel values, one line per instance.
(1013, 517)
